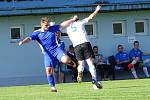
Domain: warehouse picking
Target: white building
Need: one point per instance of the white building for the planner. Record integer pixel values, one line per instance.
(119, 22)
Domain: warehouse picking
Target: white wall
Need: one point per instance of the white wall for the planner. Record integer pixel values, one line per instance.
(16, 61)
(27, 60)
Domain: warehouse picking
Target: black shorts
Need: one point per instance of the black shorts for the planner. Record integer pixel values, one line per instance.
(83, 51)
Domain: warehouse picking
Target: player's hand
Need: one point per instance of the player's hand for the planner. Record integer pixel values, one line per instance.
(98, 8)
(20, 43)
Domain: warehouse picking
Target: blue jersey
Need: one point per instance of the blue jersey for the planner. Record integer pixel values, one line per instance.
(47, 39)
(136, 53)
(122, 56)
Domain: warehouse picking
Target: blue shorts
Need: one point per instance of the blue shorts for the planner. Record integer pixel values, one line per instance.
(51, 60)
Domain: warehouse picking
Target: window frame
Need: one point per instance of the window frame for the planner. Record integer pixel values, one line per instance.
(94, 29)
(123, 23)
(36, 26)
(145, 27)
(21, 33)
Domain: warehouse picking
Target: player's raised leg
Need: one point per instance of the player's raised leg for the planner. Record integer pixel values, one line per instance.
(64, 58)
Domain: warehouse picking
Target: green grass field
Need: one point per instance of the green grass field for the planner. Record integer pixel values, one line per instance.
(113, 90)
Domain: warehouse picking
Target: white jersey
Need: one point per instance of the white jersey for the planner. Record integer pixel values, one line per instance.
(77, 33)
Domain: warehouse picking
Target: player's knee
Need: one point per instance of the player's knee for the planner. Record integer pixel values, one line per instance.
(66, 59)
(81, 63)
(89, 60)
(49, 70)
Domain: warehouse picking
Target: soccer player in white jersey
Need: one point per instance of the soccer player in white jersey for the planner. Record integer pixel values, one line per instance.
(83, 49)
(46, 37)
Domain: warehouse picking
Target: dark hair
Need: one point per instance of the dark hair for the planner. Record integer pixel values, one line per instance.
(95, 47)
(77, 19)
(120, 45)
(136, 42)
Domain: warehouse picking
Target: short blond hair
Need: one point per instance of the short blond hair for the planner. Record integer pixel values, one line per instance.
(44, 19)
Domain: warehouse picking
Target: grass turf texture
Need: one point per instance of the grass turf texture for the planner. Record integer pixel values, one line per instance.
(138, 89)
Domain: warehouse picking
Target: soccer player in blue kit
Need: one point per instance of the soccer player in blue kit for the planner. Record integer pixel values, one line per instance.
(46, 37)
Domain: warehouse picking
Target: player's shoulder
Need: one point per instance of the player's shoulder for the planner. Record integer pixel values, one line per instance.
(82, 20)
(117, 54)
(125, 52)
(54, 26)
(36, 31)
(78, 23)
(132, 50)
(139, 50)
(85, 20)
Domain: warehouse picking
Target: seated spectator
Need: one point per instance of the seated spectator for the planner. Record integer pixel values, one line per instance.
(122, 58)
(136, 58)
(147, 62)
(112, 63)
(74, 71)
(100, 63)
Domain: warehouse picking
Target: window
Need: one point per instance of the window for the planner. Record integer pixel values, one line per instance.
(16, 33)
(64, 34)
(141, 27)
(118, 27)
(36, 27)
(89, 29)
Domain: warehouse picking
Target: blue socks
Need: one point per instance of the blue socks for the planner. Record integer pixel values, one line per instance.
(51, 80)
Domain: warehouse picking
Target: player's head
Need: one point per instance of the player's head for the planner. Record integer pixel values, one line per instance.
(74, 17)
(45, 23)
(120, 48)
(136, 44)
(95, 49)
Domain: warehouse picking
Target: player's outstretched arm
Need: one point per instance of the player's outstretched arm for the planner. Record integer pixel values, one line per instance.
(67, 22)
(94, 13)
(26, 40)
